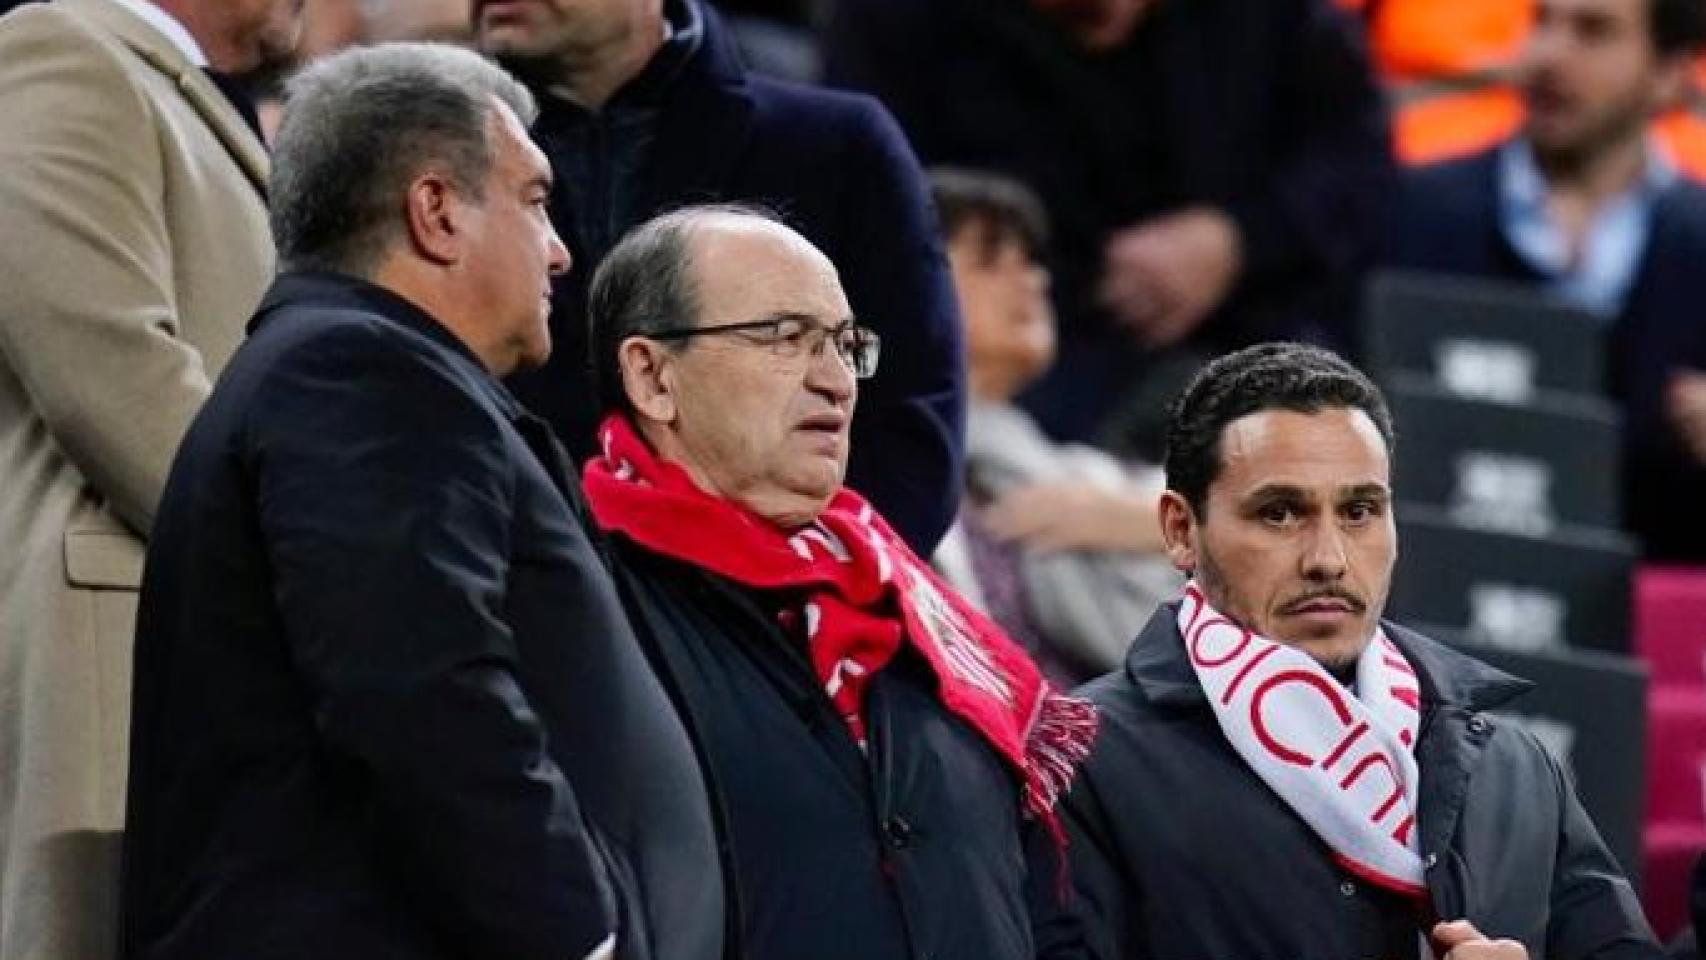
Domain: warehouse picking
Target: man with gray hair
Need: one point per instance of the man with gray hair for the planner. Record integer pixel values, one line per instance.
(376, 648)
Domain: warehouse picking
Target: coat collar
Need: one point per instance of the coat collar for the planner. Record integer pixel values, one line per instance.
(1158, 665)
(707, 120)
(310, 288)
(160, 53)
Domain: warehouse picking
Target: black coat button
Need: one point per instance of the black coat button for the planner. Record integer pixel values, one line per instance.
(899, 833)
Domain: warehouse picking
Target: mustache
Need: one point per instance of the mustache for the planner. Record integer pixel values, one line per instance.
(1349, 599)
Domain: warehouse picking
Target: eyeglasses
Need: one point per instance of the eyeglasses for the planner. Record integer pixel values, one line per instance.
(791, 338)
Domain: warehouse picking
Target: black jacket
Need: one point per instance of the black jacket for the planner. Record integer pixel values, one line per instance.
(1448, 222)
(1180, 852)
(1267, 110)
(386, 702)
(836, 167)
(916, 851)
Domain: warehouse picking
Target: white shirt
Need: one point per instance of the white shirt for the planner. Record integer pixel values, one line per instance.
(1615, 242)
(169, 27)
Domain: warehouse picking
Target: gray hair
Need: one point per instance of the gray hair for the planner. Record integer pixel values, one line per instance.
(643, 286)
(359, 126)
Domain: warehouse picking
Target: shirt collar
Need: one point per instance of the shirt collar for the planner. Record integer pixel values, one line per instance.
(1523, 187)
(169, 26)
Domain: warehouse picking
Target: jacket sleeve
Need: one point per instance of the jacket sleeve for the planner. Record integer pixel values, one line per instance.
(1107, 902)
(1055, 924)
(87, 315)
(908, 438)
(1326, 208)
(385, 495)
(1595, 914)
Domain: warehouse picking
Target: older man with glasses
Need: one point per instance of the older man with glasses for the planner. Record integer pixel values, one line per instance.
(883, 760)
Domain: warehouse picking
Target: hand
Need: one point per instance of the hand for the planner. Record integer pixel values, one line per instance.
(1459, 940)
(1685, 404)
(1162, 278)
(1075, 516)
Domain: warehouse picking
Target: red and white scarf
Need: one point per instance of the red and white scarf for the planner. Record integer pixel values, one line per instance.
(1343, 762)
(864, 592)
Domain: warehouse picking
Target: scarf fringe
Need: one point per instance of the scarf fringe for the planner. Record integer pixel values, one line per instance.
(1057, 744)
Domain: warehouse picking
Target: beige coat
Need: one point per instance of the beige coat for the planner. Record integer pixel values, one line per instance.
(133, 248)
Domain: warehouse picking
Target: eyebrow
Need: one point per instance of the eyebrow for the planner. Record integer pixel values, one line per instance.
(1286, 491)
(1367, 491)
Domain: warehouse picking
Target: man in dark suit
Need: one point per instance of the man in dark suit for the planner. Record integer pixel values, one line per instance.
(386, 703)
(645, 107)
(1582, 205)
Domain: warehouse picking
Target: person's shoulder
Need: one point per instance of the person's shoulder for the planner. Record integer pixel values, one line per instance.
(784, 106)
(1453, 175)
(1119, 701)
(45, 47)
(1685, 204)
(362, 357)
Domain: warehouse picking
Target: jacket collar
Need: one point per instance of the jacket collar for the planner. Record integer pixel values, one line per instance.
(160, 53)
(706, 122)
(1158, 665)
(653, 83)
(313, 288)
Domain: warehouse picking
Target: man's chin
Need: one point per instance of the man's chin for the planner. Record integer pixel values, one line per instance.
(1336, 652)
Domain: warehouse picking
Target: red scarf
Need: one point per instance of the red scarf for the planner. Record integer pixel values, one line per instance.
(865, 592)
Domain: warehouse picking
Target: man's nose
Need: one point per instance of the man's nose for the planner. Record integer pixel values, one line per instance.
(1325, 557)
(831, 373)
(560, 260)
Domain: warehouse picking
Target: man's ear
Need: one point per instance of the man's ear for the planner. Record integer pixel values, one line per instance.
(648, 378)
(433, 213)
(1178, 531)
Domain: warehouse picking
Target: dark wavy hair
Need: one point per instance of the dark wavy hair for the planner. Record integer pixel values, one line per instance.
(1268, 376)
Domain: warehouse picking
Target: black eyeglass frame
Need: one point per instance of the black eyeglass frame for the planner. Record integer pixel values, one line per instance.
(867, 350)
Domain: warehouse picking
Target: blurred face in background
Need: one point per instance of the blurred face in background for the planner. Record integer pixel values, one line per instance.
(1591, 77)
(331, 25)
(531, 35)
(1009, 321)
(242, 36)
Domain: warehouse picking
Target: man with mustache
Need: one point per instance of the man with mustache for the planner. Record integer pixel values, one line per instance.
(1283, 774)
(1584, 206)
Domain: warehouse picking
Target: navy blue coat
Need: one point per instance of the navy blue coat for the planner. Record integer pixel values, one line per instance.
(1180, 852)
(1448, 222)
(837, 168)
(916, 851)
(386, 702)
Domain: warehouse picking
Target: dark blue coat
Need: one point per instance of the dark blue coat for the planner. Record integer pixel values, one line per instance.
(1180, 852)
(1448, 222)
(837, 168)
(917, 851)
(386, 702)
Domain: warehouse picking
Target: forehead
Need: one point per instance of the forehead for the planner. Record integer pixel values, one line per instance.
(513, 150)
(1324, 451)
(746, 267)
